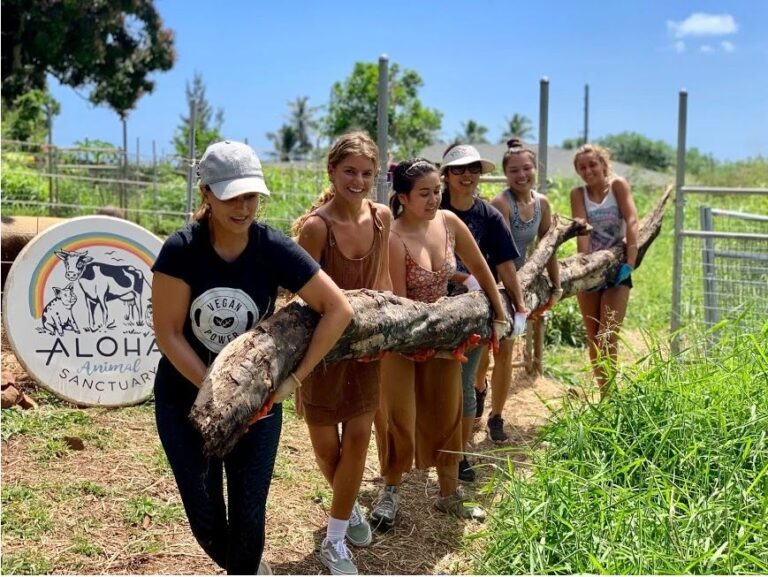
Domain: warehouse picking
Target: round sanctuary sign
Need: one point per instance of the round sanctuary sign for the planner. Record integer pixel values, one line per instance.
(78, 312)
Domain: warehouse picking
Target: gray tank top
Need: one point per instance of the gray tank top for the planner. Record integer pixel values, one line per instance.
(523, 231)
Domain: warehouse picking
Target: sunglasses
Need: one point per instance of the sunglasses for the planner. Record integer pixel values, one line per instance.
(474, 168)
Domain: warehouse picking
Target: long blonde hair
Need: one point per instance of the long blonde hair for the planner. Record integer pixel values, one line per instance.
(351, 143)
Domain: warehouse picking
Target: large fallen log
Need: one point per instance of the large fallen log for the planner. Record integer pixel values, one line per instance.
(250, 367)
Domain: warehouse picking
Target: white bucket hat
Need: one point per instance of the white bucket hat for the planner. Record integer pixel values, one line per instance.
(464, 154)
(231, 169)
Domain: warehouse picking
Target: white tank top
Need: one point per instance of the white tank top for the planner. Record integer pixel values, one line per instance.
(609, 227)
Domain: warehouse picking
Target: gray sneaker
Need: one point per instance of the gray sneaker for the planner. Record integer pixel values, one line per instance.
(264, 568)
(336, 556)
(359, 530)
(453, 504)
(385, 509)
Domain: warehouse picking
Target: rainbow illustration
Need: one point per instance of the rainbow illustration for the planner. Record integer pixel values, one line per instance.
(45, 267)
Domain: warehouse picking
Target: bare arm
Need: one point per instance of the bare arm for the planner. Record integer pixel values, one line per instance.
(553, 268)
(623, 193)
(508, 275)
(313, 236)
(579, 211)
(170, 307)
(384, 282)
(397, 265)
(470, 254)
(325, 298)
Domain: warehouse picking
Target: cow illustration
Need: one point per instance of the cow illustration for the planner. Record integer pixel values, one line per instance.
(57, 314)
(102, 283)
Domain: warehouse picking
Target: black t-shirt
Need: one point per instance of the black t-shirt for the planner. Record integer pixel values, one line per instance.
(227, 298)
(489, 230)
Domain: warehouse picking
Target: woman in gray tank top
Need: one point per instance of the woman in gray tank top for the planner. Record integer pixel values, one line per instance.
(605, 202)
(529, 217)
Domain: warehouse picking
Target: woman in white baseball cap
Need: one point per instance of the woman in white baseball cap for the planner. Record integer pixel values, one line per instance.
(213, 280)
(461, 168)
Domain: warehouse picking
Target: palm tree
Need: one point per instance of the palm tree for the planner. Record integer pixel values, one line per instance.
(303, 122)
(285, 141)
(518, 126)
(473, 133)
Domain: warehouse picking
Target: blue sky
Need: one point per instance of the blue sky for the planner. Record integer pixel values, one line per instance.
(479, 60)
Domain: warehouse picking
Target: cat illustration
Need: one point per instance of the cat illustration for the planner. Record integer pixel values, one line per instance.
(57, 314)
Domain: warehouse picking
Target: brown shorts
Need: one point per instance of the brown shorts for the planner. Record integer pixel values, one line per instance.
(420, 415)
(336, 393)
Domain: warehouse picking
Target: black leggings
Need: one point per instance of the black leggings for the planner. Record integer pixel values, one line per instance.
(235, 541)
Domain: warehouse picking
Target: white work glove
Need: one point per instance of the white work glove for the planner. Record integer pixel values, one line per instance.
(557, 294)
(471, 283)
(287, 387)
(518, 327)
(500, 328)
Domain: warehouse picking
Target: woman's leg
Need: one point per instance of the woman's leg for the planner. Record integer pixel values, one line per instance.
(589, 303)
(342, 463)
(613, 309)
(199, 478)
(469, 401)
(249, 469)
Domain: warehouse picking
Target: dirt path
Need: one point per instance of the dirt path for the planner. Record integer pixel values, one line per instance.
(75, 512)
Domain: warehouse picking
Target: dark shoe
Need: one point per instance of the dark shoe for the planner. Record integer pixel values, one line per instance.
(496, 429)
(466, 472)
(480, 399)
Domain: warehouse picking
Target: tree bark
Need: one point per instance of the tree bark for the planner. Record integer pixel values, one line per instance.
(250, 367)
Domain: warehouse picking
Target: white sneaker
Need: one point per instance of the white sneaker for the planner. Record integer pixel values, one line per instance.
(336, 556)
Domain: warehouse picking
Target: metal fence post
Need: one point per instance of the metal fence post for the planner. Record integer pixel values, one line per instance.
(677, 264)
(51, 194)
(382, 128)
(543, 128)
(711, 312)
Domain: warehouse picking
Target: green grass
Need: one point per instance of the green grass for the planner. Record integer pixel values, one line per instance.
(25, 563)
(25, 513)
(670, 475)
(139, 507)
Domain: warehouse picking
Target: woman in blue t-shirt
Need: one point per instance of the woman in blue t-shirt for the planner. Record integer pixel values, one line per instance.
(605, 202)
(213, 280)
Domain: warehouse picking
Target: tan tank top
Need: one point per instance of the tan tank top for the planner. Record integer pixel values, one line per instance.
(354, 273)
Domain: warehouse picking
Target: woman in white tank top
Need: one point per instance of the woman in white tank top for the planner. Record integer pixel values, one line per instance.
(605, 202)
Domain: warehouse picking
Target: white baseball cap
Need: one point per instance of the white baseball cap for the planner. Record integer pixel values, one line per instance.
(230, 169)
(464, 154)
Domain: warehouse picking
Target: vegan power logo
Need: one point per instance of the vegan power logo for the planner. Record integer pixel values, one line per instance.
(220, 315)
(85, 330)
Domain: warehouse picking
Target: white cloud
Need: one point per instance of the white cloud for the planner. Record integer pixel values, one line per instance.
(700, 24)
(706, 48)
(728, 46)
(679, 46)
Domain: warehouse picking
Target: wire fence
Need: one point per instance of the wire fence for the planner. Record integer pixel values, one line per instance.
(724, 271)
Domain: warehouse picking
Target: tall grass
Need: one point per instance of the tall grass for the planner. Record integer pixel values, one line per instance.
(669, 475)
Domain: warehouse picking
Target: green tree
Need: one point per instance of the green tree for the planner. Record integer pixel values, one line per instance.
(302, 119)
(518, 126)
(207, 123)
(354, 105)
(286, 142)
(572, 143)
(108, 46)
(472, 133)
(27, 117)
(634, 148)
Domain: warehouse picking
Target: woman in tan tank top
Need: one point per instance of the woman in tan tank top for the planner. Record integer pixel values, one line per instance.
(349, 236)
(420, 416)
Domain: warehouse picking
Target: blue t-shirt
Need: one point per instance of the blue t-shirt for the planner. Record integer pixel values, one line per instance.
(489, 230)
(227, 298)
